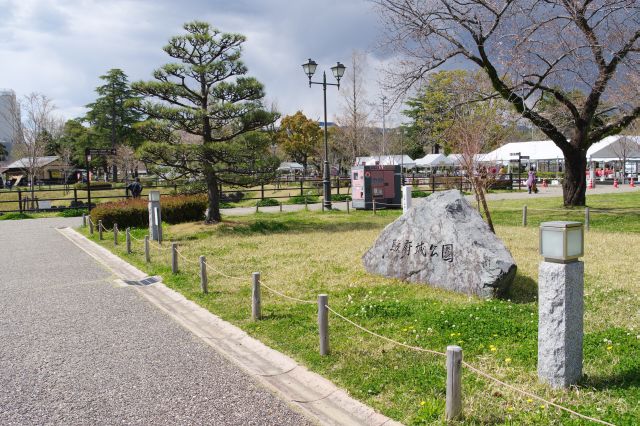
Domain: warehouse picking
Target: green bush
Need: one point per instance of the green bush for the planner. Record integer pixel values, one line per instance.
(94, 185)
(72, 212)
(266, 202)
(340, 197)
(300, 199)
(419, 194)
(15, 216)
(134, 213)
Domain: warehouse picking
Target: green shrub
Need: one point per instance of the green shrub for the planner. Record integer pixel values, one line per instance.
(300, 199)
(94, 185)
(419, 194)
(340, 197)
(72, 212)
(266, 202)
(15, 216)
(134, 213)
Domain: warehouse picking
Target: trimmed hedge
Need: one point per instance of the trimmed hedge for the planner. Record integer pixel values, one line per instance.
(95, 186)
(134, 212)
(268, 202)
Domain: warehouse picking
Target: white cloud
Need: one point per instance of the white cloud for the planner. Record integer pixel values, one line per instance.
(61, 47)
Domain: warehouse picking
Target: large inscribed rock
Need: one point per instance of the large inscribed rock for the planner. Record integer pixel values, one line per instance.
(444, 242)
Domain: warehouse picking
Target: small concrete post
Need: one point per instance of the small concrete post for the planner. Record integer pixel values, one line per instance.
(84, 220)
(115, 234)
(256, 303)
(100, 229)
(257, 206)
(406, 198)
(524, 215)
(560, 322)
(281, 207)
(374, 207)
(90, 227)
(155, 216)
(174, 258)
(323, 323)
(322, 207)
(204, 280)
(587, 218)
(147, 252)
(128, 239)
(454, 383)
(347, 206)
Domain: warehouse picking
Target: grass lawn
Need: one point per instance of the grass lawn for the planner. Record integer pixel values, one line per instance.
(307, 253)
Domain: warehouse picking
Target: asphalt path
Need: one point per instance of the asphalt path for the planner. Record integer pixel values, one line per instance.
(75, 348)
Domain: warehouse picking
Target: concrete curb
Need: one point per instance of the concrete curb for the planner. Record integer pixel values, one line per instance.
(318, 398)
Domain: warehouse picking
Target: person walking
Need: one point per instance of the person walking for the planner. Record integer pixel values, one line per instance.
(531, 181)
(135, 188)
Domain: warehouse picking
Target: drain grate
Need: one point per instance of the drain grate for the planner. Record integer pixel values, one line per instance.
(144, 281)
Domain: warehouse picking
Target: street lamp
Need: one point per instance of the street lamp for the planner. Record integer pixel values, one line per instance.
(309, 69)
(560, 303)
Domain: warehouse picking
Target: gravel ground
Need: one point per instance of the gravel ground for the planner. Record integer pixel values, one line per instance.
(76, 349)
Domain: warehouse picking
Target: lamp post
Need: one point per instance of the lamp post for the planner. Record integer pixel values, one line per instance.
(338, 71)
(560, 303)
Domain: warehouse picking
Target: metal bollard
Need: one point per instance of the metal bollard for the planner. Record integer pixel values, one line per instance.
(256, 305)
(453, 408)
(323, 323)
(587, 218)
(84, 220)
(100, 229)
(128, 239)
(115, 234)
(524, 215)
(90, 227)
(147, 252)
(174, 258)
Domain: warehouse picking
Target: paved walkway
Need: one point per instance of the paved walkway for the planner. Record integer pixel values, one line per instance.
(75, 348)
(551, 191)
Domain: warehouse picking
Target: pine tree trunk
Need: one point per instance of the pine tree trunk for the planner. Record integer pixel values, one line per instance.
(574, 184)
(213, 214)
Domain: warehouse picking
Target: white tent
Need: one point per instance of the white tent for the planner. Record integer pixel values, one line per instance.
(290, 166)
(608, 149)
(613, 148)
(433, 160)
(387, 160)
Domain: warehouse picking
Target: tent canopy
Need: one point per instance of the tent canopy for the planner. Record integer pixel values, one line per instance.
(433, 160)
(387, 160)
(289, 166)
(609, 148)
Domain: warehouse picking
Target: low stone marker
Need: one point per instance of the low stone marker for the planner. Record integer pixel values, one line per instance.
(444, 242)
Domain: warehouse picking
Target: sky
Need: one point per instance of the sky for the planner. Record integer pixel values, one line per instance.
(61, 47)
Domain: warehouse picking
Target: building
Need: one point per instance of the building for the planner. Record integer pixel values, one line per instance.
(9, 118)
(49, 169)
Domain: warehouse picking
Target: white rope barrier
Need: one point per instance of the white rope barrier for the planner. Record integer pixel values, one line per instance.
(295, 299)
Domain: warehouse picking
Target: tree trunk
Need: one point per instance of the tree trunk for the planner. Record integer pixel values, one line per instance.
(213, 214)
(485, 207)
(574, 184)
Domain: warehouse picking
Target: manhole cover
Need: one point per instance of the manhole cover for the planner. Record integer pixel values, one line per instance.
(143, 282)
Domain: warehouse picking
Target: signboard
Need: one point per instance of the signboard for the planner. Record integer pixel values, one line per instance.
(100, 151)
